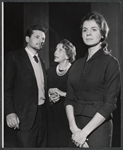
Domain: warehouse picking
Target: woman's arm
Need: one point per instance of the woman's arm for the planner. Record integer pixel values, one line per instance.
(81, 136)
(72, 124)
(112, 87)
(61, 93)
(97, 120)
(71, 119)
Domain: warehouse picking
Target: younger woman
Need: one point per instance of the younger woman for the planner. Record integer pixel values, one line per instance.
(93, 87)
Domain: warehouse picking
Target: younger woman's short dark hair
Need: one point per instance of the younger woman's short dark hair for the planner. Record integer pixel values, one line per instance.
(69, 49)
(30, 30)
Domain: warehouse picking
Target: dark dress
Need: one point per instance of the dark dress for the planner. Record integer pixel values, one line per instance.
(95, 84)
(58, 131)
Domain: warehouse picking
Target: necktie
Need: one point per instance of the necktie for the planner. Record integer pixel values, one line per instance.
(35, 58)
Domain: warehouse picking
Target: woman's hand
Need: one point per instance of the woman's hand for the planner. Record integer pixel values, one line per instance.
(79, 138)
(54, 94)
(59, 92)
(54, 97)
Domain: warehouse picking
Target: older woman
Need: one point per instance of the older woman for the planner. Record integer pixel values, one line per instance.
(59, 133)
(93, 87)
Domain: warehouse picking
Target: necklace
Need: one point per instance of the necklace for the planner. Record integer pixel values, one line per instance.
(62, 72)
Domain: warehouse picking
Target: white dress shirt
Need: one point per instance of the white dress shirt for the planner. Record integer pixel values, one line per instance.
(37, 67)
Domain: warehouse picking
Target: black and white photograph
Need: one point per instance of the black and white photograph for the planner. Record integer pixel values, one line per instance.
(61, 74)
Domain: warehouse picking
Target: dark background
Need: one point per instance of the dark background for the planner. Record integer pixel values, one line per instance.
(62, 20)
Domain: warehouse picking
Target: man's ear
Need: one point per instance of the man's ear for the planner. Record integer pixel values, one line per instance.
(27, 39)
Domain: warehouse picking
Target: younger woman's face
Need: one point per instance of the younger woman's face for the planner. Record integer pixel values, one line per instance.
(91, 33)
(60, 54)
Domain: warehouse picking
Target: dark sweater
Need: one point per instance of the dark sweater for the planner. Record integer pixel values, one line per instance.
(93, 86)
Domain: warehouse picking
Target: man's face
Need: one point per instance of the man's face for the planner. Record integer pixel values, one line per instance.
(36, 41)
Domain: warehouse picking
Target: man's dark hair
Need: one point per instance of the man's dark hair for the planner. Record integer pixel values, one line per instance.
(30, 30)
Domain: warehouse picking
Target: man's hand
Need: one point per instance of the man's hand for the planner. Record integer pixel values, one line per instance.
(12, 121)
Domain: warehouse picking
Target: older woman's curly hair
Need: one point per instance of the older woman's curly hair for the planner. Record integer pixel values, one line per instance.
(70, 49)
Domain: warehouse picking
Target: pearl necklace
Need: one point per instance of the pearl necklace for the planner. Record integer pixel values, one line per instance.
(61, 73)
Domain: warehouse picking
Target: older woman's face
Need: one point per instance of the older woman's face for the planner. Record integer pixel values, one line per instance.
(60, 54)
(91, 32)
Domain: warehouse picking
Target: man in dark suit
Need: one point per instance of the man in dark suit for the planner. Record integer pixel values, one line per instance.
(25, 91)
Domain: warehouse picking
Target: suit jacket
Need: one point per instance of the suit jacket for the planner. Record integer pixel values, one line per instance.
(21, 90)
